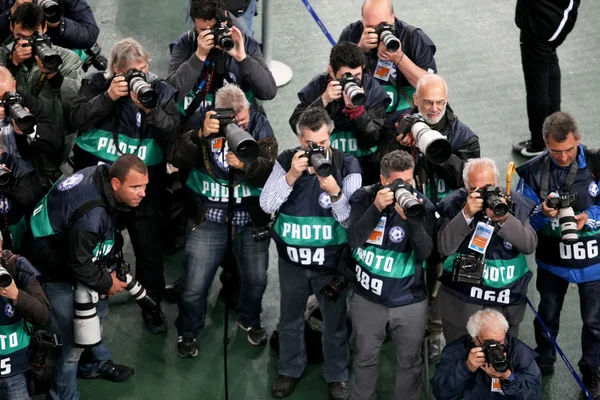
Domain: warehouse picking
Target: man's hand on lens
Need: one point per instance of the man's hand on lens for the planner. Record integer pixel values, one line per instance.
(549, 212)
(211, 125)
(368, 39)
(348, 102)
(384, 198)
(233, 161)
(206, 41)
(581, 220)
(238, 52)
(135, 99)
(495, 374)
(299, 165)
(117, 284)
(21, 52)
(491, 215)
(406, 140)
(332, 92)
(400, 211)
(118, 88)
(476, 359)
(329, 184)
(474, 204)
(11, 292)
(384, 54)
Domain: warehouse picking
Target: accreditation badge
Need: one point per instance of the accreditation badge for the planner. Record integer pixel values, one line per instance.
(376, 237)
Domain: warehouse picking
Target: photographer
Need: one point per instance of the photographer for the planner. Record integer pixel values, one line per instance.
(73, 231)
(562, 184)
(71, 23)
(485, 236)
(357, 108)
(391, 224)
(23, 302)
(212, 161)
(309, 190)
(200, 65)
(497, 367)
(399, 70)
(128, 110)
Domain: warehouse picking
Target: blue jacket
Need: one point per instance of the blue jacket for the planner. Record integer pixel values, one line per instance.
(453, 380)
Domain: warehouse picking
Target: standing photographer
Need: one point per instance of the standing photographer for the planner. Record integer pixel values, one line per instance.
(355, 103)
(128, 110)
(485, 236)
(391, 229)
(561, 182)
(498, 366)
(22, 302)
(211, 159)
(309, 189)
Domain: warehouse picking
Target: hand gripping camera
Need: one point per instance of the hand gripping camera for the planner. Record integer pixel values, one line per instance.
(137, 291)
(387, 35)
(12, 103)
(433, 144)
(240, 142)
(51, 10)
(492, 199)
(406, 199)
(565, 202)
(42, 47)
(95, 58)
(494, 355)
(352, 87)
(139, 85)
(220, 31)
(318, 160)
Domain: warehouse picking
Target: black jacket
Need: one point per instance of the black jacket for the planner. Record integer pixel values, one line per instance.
(77, 29)
(546, 19)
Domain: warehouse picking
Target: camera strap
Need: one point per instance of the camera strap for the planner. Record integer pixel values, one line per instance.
(544, 191)
(203, 90)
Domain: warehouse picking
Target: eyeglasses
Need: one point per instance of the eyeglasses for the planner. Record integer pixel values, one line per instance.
(430, 103)
(561, 152)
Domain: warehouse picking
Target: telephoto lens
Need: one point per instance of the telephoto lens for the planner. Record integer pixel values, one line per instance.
(5, 278)
(86, 324)
(433, 144)
(7, 179)
(386, 33)
(51, 10)
(492, 200)
(137, 291)
(411, 206)
(568, 225)
(42, 47)
(318, 160)
(241, 143)
(351, 86)
(141, 88)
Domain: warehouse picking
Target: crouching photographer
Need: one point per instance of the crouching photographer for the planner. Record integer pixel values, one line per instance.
(23, 303)
(485, 234)
(229, 160)
(498, 366)
(391, 230)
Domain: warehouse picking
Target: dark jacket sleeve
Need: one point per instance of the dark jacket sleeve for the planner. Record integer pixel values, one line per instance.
(32, 302)
(420, 232)
(47, 140)
(364, 217)
(165, 120)
(255, 71)
(258, 171)
(77, 28)
(451, 170)
(452, 375)
(184, 69)
(91, 105)
(527, 383)
(5, 26)
(29, 188)
(368, 126)
(185, 151)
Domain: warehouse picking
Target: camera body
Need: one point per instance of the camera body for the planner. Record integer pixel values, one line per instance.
(51, 10)
(220, 32)
(318, 160)
(403, 194)
(494, 355)
(240, 142)
(492, 198)
(13, 106)
(564, 200)
(262, 233)
(387, 35)
(41, 343)
(351, 85)
(42, 47)
(468, 268)
(564, 203)
(95, 58)
(433, 144)
(139, 85)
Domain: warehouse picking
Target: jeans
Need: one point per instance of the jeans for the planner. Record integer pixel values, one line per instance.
(64, 374)
(246, 19)
(14, 388)
(552, 295)
(296, 285)
(205, 246)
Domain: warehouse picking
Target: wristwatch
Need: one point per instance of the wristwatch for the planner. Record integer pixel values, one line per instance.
(508, 380)
(335, 197)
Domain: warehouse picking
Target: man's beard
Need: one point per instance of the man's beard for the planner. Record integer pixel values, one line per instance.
(435, 121)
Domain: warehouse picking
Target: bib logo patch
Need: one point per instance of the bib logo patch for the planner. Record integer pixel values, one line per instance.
(70, 182)
(325, 200)
(9, 311)
(396, 234)
(5, 205)
(593, 189)
(507, 246)
(138, 119)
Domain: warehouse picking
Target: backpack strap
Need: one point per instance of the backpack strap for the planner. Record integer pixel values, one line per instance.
(84, 208)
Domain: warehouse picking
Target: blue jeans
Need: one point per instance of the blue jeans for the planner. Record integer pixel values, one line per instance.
(64, 374)
(14, 388)
(246, 19)
(552, 295)
(204, 249)
(296, 284)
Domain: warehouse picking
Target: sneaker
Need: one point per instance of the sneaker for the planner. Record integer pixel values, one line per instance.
(155, 320)
(283, 386)
(112, 372)
(519, 146)
(257, 335)
(531, 152)
(187, 347)
(590, 378)
(338, 391)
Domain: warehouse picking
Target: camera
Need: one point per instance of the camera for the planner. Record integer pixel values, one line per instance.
(12, 103)
(41, 343)
(433, 144)
(318, 160)
(7, 183)
(352, 87)
(566, 215)
(406, 199)
(262, 233)
(387, 34)
(220, 32)
(95, 58)
(42, 47)
(5, 277)
(141, 88)
(494, 355)
(492, 199)
(137, 291)
(345, 275)
(86, 323)
(51, 10)
(335, 287)
(468, 268)
(240, 142)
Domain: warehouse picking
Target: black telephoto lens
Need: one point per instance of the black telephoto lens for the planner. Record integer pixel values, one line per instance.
(23, 118)
(48, 56)
(241, 143)
(321, 164)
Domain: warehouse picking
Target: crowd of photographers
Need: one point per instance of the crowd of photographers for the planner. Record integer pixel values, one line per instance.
(384, 211)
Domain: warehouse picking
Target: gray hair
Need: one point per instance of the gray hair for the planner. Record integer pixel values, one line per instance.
(431, 79)
(313, 119)
(558, 126)
(475, 163)
(396, 161)
(231, 96)
(484, 317)
(126, 52)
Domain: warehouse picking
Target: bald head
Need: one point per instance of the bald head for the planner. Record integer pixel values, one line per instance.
(7, 81)
(431, 98)
(375, 12)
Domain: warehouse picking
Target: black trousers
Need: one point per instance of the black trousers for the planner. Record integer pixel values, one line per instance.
(542, 84)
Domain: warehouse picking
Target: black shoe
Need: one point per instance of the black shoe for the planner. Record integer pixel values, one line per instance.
(256, 334)
(434, 351)
(112, 372)
(155, 320)
(283, 386)
(546, 369)
(187, 347)
(590, 378)
(338, 391)
(519, 146)
(531, 152)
